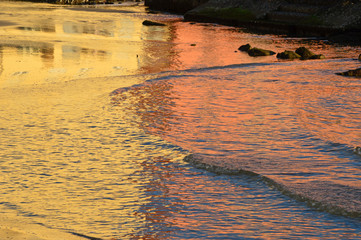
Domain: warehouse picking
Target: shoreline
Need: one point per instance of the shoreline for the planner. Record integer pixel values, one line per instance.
(14, 227)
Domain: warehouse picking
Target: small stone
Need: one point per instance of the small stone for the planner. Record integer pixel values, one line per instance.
(305, 53)
(245, 48)
(357, 150)
(317, 56)
(351, 73)
(288, 55)
(151, 23)
(257, 52)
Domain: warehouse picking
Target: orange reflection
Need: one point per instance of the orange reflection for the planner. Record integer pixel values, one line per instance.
(264, 120)
(156, 210)
(151, 102)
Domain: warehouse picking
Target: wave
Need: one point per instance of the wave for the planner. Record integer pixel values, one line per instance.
(351, 195)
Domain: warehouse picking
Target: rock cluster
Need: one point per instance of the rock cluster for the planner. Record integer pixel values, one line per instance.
(300, 53)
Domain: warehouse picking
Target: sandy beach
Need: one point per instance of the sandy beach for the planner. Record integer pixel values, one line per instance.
(13, 227)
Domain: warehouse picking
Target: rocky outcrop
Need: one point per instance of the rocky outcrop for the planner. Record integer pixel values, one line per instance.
(232, 12)
(219, 8)
(344, 14)
(295, 17)
(176, 6)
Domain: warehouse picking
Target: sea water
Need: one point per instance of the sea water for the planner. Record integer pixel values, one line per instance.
(112, 129)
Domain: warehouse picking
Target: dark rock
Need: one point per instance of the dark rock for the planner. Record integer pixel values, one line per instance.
(305, 53)
(245, 48)
(357, 150)
(317, 56)
(257, 52)
(288, 55)
(351, 38)
(359, 57)
(177, 6)
(151, 23)
(351, 73)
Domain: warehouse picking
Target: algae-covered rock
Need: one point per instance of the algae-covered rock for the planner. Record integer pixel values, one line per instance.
(317, 56)
(305, 53)
(257, 52)
(351, 73)
(288, 55)
(151, 23)
(245, 48)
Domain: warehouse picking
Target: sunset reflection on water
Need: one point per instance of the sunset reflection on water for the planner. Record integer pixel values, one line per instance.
(99, 111)
(245, 118)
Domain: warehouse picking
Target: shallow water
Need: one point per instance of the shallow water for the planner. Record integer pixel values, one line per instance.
(98, 112)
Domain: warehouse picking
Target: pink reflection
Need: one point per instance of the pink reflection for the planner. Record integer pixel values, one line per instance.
(259, 119)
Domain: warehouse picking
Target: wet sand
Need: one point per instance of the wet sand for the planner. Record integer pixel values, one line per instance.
(6, 23)
(14, 234)
(13, 227)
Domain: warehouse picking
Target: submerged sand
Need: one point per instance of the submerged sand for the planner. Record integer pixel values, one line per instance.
(6, 23)
(13, 227)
